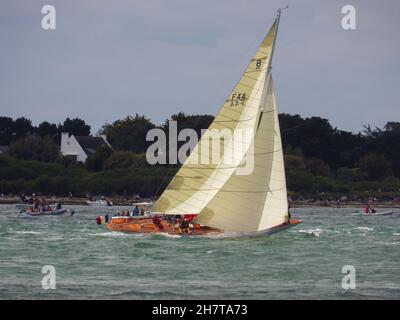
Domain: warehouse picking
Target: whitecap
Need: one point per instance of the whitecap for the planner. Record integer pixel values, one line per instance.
(26, 232)
(311, 232)
(109, 234)
(364, 228)
(391, 243)
(210, 251)
(55, 238)
(174, 236)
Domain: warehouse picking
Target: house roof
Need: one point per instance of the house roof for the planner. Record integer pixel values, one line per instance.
(90, 144)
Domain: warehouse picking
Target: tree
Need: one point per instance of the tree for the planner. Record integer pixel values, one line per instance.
(22, 127)
(311, 135)
(35, 148)
(317, 167)
(95, 162)
(129, 134)
(375, 166)
(196, 122)
(351, 174)
(392, 126)
(294, 163)
(125, 159)
(6, 130)
(47, 129)
(75, 126)
(384, 142)
(183, 121)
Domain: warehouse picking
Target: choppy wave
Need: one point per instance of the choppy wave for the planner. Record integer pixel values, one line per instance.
(25, 232)
(301, 263)
(110, 234)
(391, 243)
(167, 235)
(312, 232)
(364, 228)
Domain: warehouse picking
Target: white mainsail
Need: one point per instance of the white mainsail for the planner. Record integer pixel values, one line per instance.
(258, 201)
(199, 180)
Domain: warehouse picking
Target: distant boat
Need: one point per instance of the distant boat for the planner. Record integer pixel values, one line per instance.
(100, 203)
(213, 198)
(143, 204)
(57, 212)
(382, 213)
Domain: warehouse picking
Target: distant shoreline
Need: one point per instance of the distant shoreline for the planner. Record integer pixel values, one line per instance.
(307, 203)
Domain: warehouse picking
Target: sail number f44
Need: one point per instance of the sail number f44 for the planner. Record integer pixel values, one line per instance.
(238, 98)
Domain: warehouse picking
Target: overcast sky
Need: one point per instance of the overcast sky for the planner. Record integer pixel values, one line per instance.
(110, 59)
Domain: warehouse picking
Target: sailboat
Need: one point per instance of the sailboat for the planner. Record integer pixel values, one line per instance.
(212, 197)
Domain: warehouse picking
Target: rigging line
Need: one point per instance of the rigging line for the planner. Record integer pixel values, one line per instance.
(196, 198)
(221, 190)
(237, 215)
(244, 120)
(236, 203)
(189, 195)
(202, 167)
(204, 186)
(196, 180)
(213, 168)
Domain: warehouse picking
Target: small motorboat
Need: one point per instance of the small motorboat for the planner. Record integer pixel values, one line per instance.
(56, 212)
(382, 213)
(100, 203)
(144, 204)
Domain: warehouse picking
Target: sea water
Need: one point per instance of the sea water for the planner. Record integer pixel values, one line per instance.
(305, 262)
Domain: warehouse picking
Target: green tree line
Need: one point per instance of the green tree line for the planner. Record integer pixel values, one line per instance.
(319, 158)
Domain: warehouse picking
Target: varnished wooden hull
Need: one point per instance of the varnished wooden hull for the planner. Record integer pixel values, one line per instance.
(146, 225)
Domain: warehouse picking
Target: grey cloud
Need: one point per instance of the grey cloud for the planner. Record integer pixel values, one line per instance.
(109, 59)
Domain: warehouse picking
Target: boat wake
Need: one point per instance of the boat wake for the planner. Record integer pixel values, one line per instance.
(167, 235)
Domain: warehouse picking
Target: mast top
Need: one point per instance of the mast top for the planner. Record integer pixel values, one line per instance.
(280, 10)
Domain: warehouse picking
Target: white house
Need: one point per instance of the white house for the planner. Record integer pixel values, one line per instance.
(80, 147)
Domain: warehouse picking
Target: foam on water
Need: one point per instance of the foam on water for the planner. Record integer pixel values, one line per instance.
(110, 234)
(311, 232)
(25, 232)
(364, 228)
(167, 235)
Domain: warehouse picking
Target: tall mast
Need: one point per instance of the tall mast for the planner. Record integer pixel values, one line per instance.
(278, 18)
